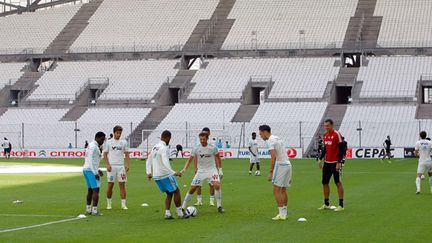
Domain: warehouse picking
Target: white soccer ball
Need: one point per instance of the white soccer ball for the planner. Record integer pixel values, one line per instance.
(422, 177)
(191, 211)
(257, 173)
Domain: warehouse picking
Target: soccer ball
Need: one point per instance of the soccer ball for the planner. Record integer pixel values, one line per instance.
(422, 177)
(257, 173)
(191, 211)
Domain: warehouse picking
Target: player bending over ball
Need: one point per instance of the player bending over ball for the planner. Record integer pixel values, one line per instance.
(206, 157)
(92, 173)
(159, 168)
(423, 149)
(116, 156)
(280, 170)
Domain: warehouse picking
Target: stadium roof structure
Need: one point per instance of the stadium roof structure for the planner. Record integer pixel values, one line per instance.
(31, 6)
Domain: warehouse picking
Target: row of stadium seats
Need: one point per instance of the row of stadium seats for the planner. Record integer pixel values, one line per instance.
(296, 123)
(279, 22)
(144, 24)
(393, 76)
(292, 77)
(226, 78)
(186, 120)
(10, 73)
(126, 79)
(379, 121)
(34, 31)
(405, 23)
(43, 128)
(162, 24)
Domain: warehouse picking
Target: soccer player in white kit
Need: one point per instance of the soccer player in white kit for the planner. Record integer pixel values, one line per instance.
(254, 159)
(207, 161)
(423, 149)
(92, 173)
(211, 188)
(159, 168)
(116, 156)
(280, 170)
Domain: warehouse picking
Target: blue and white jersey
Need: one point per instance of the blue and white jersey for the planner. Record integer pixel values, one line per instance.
(116, 150)
(92, 158)
(158, 163)
(206, 161)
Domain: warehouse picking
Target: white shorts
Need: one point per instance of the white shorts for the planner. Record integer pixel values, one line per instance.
(200, 177)
(118, 173)
(254, 159)
(424, 166)
(282, 175)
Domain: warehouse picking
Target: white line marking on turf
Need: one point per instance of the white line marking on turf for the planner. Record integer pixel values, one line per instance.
(35, 215)
(38, 225)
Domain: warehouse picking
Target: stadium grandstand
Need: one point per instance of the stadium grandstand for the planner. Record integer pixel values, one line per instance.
(70, 68)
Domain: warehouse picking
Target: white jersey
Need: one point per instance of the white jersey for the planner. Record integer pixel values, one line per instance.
(253, 146)
(5, 144)
(92, 158)
(424, 148)
(158, 163)
(116, 150)
(275, 143)
(205, 156)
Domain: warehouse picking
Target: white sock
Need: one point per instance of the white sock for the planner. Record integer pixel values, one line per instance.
(180, 212)
(88, 209)
(280, 210)
(284, 210)
(199, 198)
(418, 181)
(167, 213)
(123, 202)
(109, 201)
(218, 195)
(187, 198)
(94, 210)
(212, 198)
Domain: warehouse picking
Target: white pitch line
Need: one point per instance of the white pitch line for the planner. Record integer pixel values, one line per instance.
(35, 215)
(38, 225)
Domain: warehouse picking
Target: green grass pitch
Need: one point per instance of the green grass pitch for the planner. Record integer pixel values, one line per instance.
(380, 202)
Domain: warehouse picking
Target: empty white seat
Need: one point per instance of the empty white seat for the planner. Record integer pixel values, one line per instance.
(10, 73)
(379, 121)
(292, 77)
(285, 120)
(143, 25)
(34, 31)
(277, 24)
(405, 23)
(43, 128)
(393, 76)
(186, 120)
(127, 79)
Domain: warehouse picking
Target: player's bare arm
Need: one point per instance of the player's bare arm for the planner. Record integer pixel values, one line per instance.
(272, 163)
(219, 165)
(250, 150)
(188, 162)
(339, 162)
(108, 165)
(127, 160)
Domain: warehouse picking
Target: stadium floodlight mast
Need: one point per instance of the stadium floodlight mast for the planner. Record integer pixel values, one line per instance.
(31, 6)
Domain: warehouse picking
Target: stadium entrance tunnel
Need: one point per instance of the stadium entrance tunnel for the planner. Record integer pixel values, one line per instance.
(343, 94)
